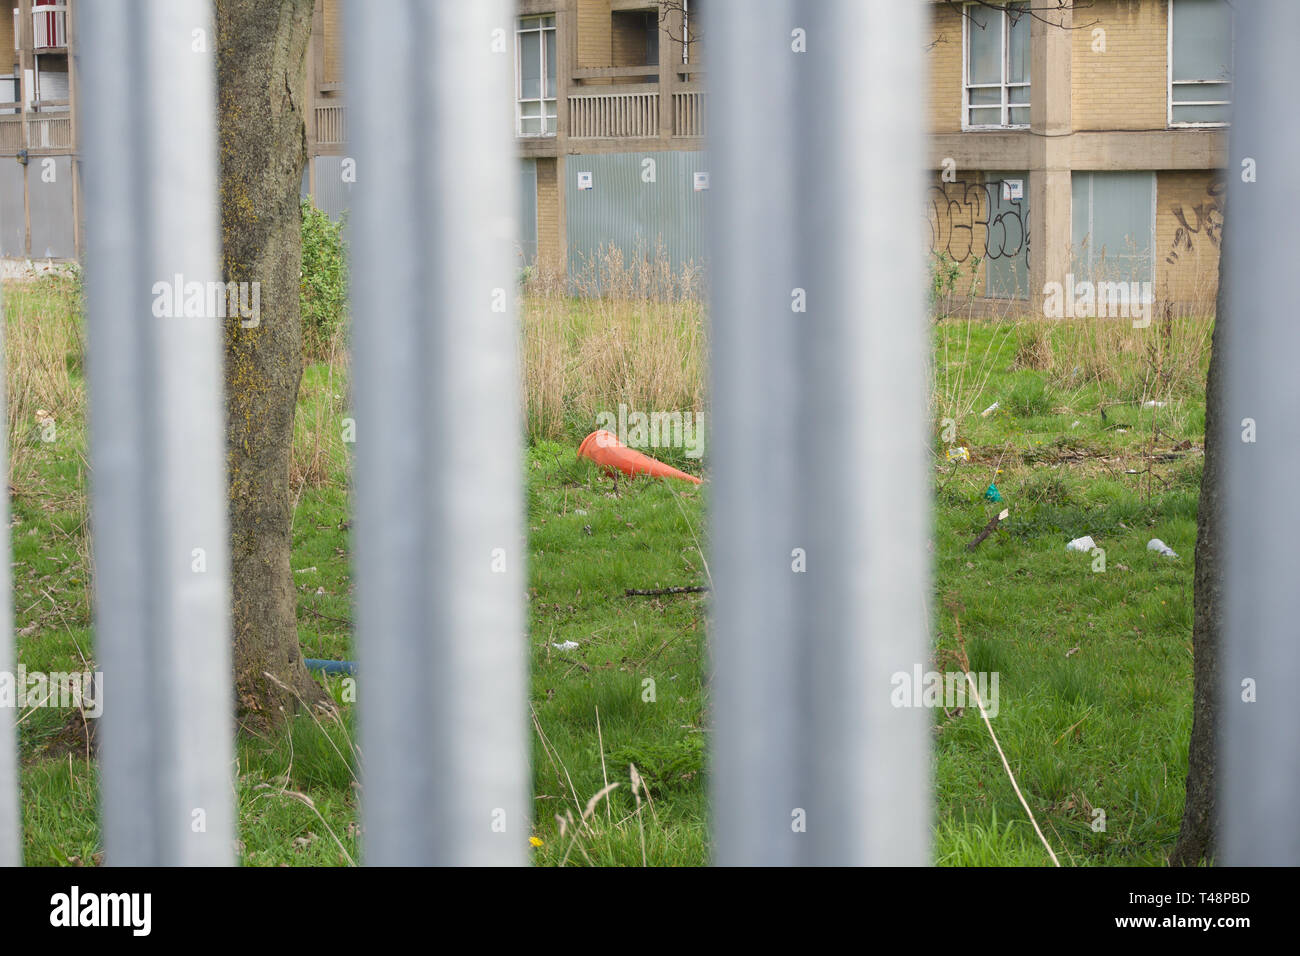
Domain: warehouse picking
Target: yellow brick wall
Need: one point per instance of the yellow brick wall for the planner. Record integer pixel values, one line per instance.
(333, 42)
(549, 247)
(1189, 221)
(7, 55)
(594, 33)
(1124, 87)
(944, 59)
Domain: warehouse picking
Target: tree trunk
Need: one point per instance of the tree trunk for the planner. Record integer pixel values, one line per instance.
(261, 83)
(1200, 818)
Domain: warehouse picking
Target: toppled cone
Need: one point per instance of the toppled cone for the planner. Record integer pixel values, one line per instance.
(605, 449)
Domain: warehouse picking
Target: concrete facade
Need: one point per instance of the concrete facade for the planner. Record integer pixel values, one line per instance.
(40, 196)
(1100, 102)
(626, 83)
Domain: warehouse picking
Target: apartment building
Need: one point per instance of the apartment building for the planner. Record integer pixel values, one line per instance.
(608, 115)
(1086, 142)
(39, 200)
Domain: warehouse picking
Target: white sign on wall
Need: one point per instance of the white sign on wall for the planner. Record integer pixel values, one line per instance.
(1013, 189)
(584, 180)
(701, 181)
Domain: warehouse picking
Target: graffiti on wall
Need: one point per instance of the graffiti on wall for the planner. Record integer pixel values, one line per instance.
(1203, 220)
(972, 219)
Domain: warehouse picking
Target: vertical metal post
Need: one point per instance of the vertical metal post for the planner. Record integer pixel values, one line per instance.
(1259, 435)
(157, 436)
(439, 527)
(11, 840)
(820, 486)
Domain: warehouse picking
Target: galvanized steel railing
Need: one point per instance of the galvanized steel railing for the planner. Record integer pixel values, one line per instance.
(820, 573)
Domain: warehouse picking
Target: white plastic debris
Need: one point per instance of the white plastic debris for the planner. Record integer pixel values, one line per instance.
(566, 646)
(1155, 544)
(958, 453)
(1081, 544)
(1075, 424)
(990, 410)
(1153, 404)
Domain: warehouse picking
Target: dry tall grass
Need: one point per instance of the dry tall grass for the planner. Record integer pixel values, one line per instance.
(322, 425)
(1164, 360)
(634, 334)
(43, 349)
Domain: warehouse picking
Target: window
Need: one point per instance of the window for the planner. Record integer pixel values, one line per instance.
(996, 53)
(1113, 219)
(1200, 62)
(535, 76)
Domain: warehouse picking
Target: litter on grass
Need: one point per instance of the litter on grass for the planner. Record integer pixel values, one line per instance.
(566, 646)
(1081, 544)
(1155, 544)
(990, 410)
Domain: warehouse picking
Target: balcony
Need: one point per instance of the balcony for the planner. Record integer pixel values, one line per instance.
(618, 112)
(48, 130)
(49, 27)
(625, 109)
(332, 125)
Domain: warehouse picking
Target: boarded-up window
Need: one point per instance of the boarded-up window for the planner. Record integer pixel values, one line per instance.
(1007, 249)
(1113, 218)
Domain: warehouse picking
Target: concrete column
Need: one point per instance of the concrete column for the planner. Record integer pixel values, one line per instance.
(1049, 174)
(670, 61)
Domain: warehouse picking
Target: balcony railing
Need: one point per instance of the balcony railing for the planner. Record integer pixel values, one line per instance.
(615, 113)
(49, 26)
(44, 131)
(606, 112)
(688, 113)
(332, 125)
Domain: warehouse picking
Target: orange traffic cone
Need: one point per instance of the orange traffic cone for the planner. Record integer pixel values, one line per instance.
(605, 449)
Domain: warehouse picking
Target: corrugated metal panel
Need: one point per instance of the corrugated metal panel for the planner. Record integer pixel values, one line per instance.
(13, 233)
(625, 210)
(527, 253)
(333, 194)
(49, 182)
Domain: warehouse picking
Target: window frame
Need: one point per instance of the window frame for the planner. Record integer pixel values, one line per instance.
(1170, 82)
(1003, 86)
(1090, 263)
(544, 23)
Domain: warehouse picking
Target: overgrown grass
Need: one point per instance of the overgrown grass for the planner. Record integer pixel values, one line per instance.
(640, 344)
(1094, 665)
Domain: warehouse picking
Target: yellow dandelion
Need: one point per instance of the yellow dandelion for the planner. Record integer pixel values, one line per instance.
(533, 841)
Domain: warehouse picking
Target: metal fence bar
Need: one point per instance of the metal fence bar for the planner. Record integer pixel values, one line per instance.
(1259, 338)
(439, 527)
(820, 489)
(157, 437)
(11, 840)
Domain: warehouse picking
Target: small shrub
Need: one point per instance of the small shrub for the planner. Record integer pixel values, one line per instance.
(324, 281)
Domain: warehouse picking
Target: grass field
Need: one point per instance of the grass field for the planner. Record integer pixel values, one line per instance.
(1094, 665)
